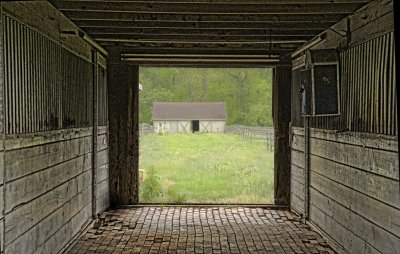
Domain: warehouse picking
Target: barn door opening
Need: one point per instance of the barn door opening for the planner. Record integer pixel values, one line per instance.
(195, 126)
(206, 136)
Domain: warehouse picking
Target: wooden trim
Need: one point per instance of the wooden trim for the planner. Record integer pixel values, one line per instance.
(13, 142)
(369, 140)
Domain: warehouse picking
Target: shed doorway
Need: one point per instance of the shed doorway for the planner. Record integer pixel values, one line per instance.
(196, 126)
(206, 136)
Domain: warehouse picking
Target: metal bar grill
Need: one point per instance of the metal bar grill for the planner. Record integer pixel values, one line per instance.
(47, 86)
(368, 89)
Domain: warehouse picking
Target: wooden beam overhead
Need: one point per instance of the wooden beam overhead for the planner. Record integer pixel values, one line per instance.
(217, 51)
(274, 39)
(196, 60)
(199, 56)
(251, 2)
(197, 32)
(190, 41)
(92, 25)
(206, 65)
(200, 17)
(215, 8)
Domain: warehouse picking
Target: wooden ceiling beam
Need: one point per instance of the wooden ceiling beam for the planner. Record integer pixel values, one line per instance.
(76, 15)
(139, 60)
(247, 2)
(197, 32)
(201, 40)
(210, 26)
(199, 56)
(207, 65)
(198, 51)
(217, 8)
(194, 47)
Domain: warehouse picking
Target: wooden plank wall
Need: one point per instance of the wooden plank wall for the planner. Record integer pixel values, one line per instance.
(354, 188)
(102, 174)
(367, 67)
(46, 173)
(48, 189)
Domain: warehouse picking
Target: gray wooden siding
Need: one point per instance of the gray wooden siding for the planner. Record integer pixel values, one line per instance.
(45, 162)
(102, 173)
(47, 190)
(354, 188)
(354, 193)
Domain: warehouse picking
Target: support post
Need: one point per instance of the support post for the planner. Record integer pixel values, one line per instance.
(94, 134)
(281, 117)
(123, 95)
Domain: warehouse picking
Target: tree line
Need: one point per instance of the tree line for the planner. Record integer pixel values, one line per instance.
(247, 92)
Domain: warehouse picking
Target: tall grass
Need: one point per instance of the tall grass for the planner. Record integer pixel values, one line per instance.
(205, 168)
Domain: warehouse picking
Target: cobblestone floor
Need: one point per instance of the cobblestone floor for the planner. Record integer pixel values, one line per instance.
(200, 230)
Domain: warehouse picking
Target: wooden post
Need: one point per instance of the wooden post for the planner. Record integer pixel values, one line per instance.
(123, 91)
(281, 118)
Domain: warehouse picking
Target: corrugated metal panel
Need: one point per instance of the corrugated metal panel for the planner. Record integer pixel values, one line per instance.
(47, 86)
(368, 89)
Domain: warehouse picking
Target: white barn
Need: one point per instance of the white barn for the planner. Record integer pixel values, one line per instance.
(176, 117)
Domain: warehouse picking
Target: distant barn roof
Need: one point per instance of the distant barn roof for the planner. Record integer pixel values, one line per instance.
(189, 111)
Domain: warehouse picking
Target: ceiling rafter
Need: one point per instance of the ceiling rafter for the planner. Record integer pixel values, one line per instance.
(205, 32)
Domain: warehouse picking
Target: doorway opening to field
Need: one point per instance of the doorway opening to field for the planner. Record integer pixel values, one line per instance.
(196, 126)
(206, 136)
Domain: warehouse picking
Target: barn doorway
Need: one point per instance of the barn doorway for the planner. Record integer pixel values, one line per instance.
(195, 126)
(206, 136)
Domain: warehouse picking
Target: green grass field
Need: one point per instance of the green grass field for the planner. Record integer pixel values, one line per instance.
(205, 168)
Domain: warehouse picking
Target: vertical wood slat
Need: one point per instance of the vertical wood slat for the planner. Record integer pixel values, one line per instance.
(364, 82)
(390, 84)
(7, 71)
(394, 92)
(15, 79)
(350, 87)
(385, 85)
(377, 86)
(372, 82)
(369, 87)
(46, 85)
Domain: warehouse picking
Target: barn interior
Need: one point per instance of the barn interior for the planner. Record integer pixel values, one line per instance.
(69, 110)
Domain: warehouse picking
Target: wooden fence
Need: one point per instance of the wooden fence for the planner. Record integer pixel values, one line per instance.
(145, 128)
(250, 133)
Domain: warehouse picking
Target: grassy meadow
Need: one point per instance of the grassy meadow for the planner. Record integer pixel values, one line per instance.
(205, 168)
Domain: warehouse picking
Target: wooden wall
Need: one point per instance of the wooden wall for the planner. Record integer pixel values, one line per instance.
(353, 175)
(102, 173)
(354, 188)
(47, 189)
(367, 65)
(52, 180)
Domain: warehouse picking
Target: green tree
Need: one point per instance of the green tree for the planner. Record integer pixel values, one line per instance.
(247, 92)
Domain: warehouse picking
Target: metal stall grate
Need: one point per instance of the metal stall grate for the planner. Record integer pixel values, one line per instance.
(368, 90)
(47, 87)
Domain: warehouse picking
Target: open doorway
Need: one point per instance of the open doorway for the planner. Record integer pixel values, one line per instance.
(195, 126)
(206, 136)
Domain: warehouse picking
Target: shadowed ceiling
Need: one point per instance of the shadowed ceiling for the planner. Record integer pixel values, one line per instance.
(205, 32)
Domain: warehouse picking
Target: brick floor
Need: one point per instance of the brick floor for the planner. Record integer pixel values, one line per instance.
(200, 230)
